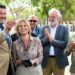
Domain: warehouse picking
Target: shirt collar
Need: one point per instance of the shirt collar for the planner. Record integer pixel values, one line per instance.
(31, 38)
(54, 27)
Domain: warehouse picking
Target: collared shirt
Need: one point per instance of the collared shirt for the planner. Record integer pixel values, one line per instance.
(8, 38)
(34, 51)
(53, 32)
(36, 31)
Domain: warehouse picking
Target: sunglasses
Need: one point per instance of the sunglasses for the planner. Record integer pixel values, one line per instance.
(52, 16)
(32, 20)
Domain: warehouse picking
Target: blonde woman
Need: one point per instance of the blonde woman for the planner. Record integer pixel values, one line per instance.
(27, 51)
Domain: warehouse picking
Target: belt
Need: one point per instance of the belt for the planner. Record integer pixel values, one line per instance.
(52, 56)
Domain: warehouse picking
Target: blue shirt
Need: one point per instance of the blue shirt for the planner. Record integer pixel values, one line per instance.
(36, 31)
(8, 38)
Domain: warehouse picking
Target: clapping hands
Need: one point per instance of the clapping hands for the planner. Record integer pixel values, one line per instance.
(48, 35)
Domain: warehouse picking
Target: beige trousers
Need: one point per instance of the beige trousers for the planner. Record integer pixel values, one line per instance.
(52, 68)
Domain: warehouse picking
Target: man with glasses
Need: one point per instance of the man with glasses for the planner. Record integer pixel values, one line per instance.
(54, 38)
(33, 21)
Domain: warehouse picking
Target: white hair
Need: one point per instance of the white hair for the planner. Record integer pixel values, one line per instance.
(33, 16)
(55, 10)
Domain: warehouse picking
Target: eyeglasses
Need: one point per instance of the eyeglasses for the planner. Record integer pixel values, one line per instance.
(32, 20)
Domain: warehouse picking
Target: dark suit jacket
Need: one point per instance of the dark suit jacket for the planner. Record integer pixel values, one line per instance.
(14, 37)
(59, 43)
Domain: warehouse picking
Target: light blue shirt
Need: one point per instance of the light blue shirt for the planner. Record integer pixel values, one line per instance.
(8, 38)
(52, 33)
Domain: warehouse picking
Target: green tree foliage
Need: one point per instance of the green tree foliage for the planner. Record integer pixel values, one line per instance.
(35, 3)
(17, 8)
(67, 7)
(6, 2)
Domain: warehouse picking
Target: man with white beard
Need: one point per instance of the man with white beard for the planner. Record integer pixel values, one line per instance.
(54, 38)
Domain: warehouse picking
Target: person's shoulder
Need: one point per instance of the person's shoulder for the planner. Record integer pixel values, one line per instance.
(45, 26)
(38, 27)
(14, 34)
(35, 39)
(63, 27)
(16, 41)
(14, 37)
